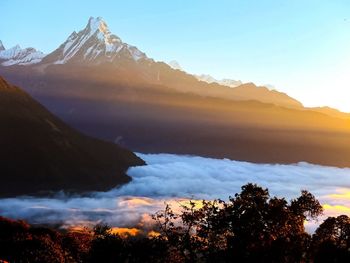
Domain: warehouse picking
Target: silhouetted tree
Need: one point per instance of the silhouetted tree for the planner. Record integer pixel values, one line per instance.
(106, 246)
(251, 227)
(332, 240)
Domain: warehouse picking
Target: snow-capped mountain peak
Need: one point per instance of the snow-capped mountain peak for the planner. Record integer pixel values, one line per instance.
(18, 56)
(1, 46)
(99, 27)
(94, 44)
(225, 82)
(175, 65)
(98, 24)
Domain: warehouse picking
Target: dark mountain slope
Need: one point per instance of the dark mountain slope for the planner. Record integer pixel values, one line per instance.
(40, 153)
(154, 118)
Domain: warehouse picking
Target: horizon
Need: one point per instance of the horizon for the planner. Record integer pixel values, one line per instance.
(298, 48)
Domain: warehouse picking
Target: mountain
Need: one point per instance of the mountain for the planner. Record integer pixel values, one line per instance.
(225, 82)
(94, 44)
(19, 56)
(207, 78)
(155, 118)
(331, 112)
(230, 83)
(147, 106)
(231, 89)
(40, 153)
(175, 65)
(249, 91)
(1, 46)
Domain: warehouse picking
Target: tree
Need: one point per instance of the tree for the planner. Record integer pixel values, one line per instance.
(251, 227)
(332, 240)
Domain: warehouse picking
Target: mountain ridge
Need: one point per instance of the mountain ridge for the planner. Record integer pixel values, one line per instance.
(95, 45)
(40, 154)
(225, 82)
(149, 107)
(18, 56)
(153, 118)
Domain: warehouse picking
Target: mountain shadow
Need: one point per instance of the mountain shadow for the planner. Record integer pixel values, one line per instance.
(39, 153)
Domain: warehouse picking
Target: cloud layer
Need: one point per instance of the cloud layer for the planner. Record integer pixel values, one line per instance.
(170, 178)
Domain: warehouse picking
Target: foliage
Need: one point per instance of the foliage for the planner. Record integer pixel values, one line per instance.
(250, 227)
(332, 240)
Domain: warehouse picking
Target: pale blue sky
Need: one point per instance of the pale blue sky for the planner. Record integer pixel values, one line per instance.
(301, 47)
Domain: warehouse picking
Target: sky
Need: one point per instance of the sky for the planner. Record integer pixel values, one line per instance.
(299, 47)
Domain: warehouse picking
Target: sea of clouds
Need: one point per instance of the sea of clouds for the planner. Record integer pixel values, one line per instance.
(174, 178)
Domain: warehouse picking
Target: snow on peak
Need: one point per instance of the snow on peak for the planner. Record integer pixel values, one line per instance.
(225, 82)
(175, 65)
(99, 27)
(94, 44)
(1, 46)
(18, 56)
(98, 24)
